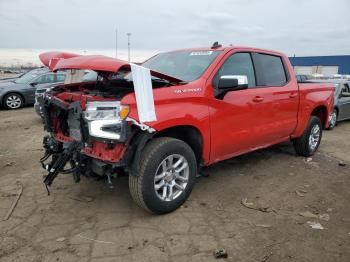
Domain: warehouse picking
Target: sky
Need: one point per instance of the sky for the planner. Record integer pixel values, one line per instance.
(300, 27)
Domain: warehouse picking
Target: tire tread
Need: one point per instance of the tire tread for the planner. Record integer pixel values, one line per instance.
(301, 144)
(136, 180)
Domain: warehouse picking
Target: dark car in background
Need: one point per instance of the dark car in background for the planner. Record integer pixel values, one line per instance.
(341, 109)
(21, 91)
(43, 88)
(40, 91)
(302, 78)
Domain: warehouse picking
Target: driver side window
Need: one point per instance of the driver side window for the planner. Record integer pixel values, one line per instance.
(239, 64)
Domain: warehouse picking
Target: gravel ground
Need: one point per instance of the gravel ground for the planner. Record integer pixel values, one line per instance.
(90, 222)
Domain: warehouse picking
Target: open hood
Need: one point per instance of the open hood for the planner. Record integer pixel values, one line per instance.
(50, 59)
(61, 60)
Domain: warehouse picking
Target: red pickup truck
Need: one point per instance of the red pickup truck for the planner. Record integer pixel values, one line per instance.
(209, 104)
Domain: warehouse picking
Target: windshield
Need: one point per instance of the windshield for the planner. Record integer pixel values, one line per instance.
(26, 78)
(184, 65)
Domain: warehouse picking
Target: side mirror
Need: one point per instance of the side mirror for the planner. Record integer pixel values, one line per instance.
(233, 82)
(34, 83)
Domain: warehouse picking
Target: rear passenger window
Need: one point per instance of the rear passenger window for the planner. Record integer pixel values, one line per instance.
(272, 70)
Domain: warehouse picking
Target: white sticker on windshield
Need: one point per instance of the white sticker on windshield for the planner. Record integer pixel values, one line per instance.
(201, 53)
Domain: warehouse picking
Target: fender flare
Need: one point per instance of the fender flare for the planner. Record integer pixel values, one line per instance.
(135, 148)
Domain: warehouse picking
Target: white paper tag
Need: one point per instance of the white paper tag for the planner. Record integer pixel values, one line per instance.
(144, 93)
(201, 53)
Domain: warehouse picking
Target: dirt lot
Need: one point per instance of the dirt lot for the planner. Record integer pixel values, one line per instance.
(90, 222)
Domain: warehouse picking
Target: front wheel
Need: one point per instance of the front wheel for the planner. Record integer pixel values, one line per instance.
(165, 175)
(13, 101)
(307, 144)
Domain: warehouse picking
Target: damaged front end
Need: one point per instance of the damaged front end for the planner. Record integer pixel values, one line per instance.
(88, 136)
(90, 129)
(60, 155)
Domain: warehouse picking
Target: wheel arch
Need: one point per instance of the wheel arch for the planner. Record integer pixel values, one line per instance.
(337, 108)
(322, 113)
(187, 133)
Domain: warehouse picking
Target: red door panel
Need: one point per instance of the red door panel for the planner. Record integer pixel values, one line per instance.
(276, 114)
(234, 128)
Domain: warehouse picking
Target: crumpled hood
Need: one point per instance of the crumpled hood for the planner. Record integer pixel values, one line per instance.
(60, 60)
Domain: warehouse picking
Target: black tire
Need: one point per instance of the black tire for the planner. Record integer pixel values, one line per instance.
(142, 181)
(333, 122)
(302, 145)
(13, 101)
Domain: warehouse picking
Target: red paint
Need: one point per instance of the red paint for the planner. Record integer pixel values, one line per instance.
(50, 59)
(243, 121)
(101, 151)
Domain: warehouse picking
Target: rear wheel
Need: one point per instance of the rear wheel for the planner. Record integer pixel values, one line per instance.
(307, 144)
(13, 101)
(165, 175)
(333, 119)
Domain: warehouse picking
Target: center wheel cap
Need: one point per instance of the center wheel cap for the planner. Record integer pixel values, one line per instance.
(169, 177)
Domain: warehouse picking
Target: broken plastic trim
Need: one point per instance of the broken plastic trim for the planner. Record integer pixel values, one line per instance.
(59, 159)
(143, 127)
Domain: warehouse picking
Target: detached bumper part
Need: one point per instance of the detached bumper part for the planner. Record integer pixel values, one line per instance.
(61, 155)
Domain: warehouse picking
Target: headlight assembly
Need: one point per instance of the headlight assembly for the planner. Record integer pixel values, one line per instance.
(105, 119)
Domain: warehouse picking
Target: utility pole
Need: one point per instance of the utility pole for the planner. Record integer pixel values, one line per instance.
(128, 34)
(116, 43)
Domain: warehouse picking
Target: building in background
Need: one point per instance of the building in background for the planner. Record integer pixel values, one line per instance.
(322, 65)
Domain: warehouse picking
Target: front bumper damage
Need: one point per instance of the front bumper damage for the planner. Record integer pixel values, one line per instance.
(60, 155)
(70, 144)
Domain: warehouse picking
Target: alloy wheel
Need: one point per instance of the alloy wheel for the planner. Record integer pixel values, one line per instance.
(314, 137)
(13, 101)
(333, 119)
(171, 177)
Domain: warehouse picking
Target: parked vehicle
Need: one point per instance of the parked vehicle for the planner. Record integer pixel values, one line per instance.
(206, 105)
(302, 78)
(43, 88)
(21, 91)
(341, 109)
(40, 90)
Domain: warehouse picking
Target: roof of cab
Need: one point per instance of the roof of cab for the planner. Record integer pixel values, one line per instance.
(229, 48)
